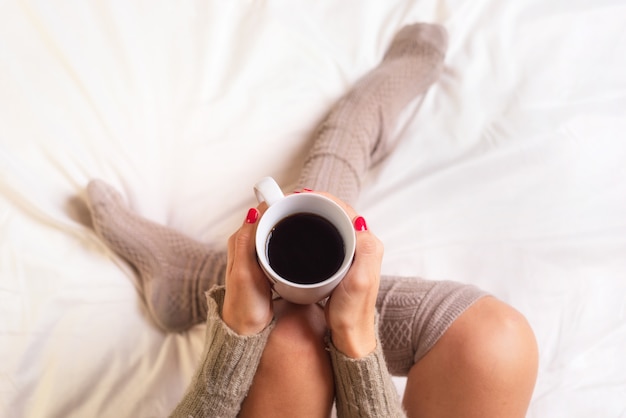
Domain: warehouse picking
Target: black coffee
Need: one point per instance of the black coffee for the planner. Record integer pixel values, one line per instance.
(305, 248)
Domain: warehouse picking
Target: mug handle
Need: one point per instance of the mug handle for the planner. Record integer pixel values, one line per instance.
(268, 191)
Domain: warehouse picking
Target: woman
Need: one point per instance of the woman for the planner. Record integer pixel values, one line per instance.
(464, 352)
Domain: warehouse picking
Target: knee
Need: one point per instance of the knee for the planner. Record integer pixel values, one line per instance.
(495, 342)
(484, 365)
(298, 335)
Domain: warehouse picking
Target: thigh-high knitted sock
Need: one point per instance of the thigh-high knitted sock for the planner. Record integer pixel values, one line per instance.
(356, 132)
(414, 313)
(174, 270)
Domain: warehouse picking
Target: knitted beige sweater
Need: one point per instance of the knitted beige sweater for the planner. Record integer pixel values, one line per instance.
(229, 361)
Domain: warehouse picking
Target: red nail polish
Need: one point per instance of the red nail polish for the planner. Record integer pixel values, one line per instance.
(307, 190)
(360, 224)
(252, 216)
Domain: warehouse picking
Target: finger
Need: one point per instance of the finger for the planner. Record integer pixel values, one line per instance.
(365, 270)
(243, 242)
(239, 242)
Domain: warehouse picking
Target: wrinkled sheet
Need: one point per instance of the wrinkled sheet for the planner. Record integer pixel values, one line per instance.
(509, 174)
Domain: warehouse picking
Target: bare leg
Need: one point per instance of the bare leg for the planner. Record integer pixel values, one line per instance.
(294, 377)
(485, 365)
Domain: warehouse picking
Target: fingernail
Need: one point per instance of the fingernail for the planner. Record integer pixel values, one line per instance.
(296, 191)
(252, 216)
(360, 224)
(307, 190)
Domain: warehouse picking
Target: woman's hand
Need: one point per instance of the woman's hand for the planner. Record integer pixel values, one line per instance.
(351, 309)
(248, 300)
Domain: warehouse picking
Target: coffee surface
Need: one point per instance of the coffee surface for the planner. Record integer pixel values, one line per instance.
(305, 248)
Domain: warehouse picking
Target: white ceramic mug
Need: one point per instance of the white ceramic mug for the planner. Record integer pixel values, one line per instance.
(281, 207)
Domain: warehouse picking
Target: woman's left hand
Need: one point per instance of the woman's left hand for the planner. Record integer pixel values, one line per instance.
(351, 308)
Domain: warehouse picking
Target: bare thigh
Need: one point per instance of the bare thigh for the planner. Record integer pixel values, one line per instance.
(295, 376)
(484, 365)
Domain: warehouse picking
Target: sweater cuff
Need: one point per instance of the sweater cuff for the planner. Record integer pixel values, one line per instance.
(363, 386)
(227, 367)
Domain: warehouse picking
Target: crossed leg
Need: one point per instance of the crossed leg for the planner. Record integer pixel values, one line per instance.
(480, 362)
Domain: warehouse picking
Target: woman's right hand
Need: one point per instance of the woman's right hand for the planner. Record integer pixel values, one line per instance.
(351, 308)
(248, 307)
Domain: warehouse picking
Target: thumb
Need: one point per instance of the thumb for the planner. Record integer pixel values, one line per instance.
(241, 246)
(364, 275)
(369, 249)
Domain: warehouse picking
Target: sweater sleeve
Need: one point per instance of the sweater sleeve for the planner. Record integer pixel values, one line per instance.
(363, 387)
(226, 369)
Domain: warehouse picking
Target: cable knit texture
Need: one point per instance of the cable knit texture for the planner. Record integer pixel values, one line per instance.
(414, 314)
(174, 270)
(356, 132)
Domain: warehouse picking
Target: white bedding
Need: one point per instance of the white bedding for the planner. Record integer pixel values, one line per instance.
(509, 174)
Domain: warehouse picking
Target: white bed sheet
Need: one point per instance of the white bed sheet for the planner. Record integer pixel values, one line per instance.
(509, 174)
